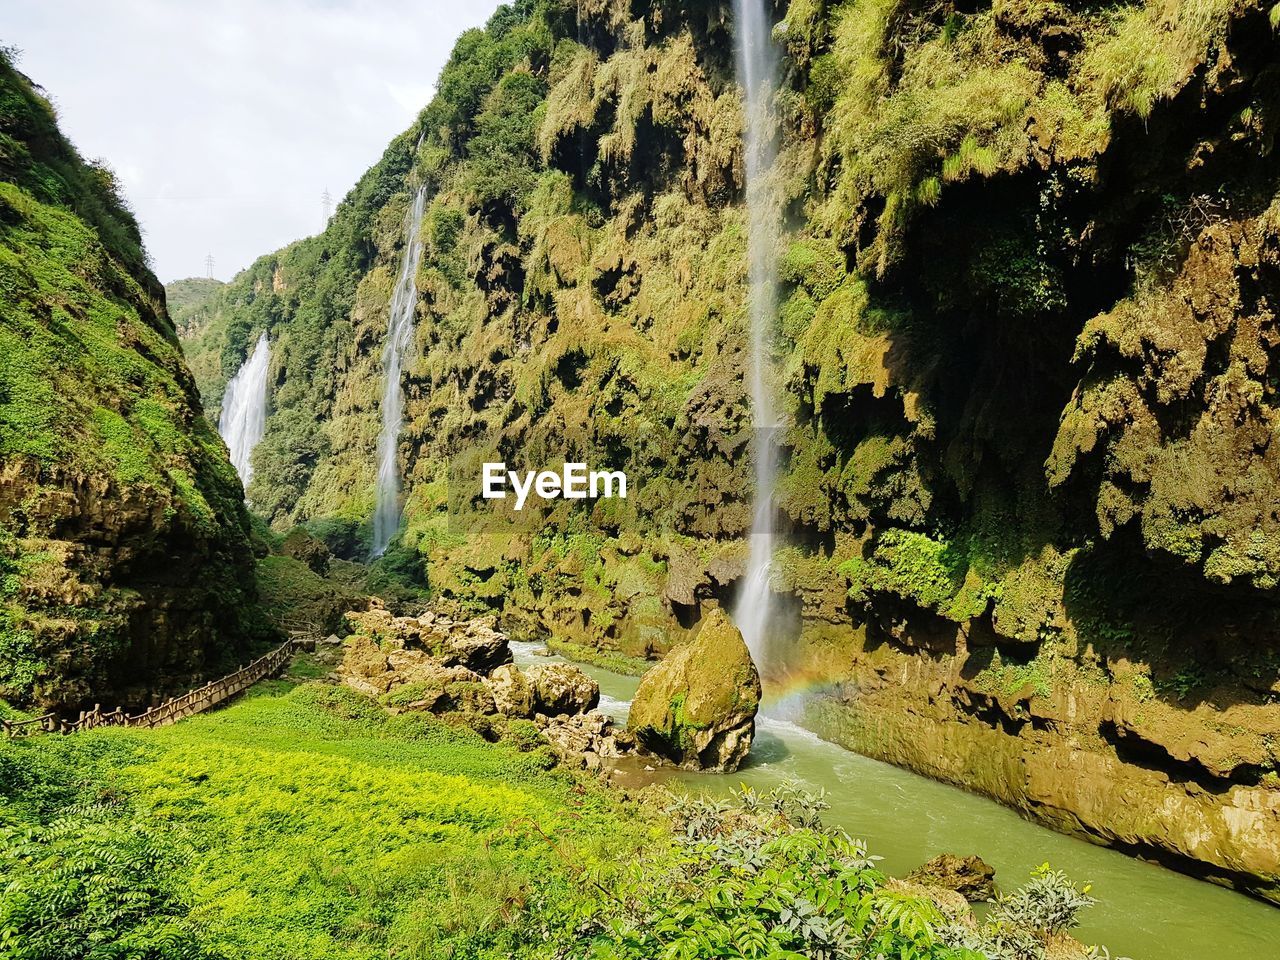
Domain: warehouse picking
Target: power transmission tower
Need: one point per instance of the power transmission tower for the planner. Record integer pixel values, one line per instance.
(208, 266)
(326, 198)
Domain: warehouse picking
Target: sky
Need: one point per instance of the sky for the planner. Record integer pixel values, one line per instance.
(226, 120)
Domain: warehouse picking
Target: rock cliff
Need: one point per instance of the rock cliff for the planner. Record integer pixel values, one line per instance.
(1027, 320)
(125, 564)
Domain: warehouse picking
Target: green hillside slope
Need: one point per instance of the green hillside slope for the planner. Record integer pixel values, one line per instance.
(124, 549)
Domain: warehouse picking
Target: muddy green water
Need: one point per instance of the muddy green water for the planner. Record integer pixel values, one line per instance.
(1145, 912)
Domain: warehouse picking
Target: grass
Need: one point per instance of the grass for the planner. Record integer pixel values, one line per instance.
(313, 825)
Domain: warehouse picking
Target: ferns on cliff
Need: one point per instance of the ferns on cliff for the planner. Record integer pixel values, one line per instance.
(1151, 49)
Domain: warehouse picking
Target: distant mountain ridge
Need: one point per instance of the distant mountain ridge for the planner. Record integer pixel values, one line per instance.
(187, 300)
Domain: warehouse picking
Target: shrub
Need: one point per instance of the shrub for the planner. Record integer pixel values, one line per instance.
(761, 877)
(96, 882)
(1048, 904)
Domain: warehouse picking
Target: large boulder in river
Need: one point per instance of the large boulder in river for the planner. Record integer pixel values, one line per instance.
(561, 688)
(697, 708)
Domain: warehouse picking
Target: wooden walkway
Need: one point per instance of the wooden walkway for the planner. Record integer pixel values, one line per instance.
(171, 711)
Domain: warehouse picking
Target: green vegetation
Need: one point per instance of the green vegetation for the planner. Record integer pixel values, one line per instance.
(762, 876)
(767, 880)
(106, 455)
(1024, 357)
(304, 821)
(581, 170)
(292, 593)
(1027, 263)
(187, 301)
(299, 822)
(1012, 679)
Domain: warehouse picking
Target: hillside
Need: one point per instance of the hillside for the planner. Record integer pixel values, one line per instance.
(125, 563)
(187, 299)
(1024, 345)
(190, 304)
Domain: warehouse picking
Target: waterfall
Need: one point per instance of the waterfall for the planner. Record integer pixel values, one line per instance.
(757, 74)
(244, 409)
(386, 516)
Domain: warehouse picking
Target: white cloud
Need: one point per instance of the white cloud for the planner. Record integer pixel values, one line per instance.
(225, 121)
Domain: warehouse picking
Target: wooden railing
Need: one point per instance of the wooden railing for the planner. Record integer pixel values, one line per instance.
(171, 711)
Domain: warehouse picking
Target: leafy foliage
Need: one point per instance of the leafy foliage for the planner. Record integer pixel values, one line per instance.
(762, 878)
(96, 882)
(1049, 904)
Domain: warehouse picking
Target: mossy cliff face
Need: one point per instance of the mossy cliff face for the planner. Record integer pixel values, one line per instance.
(1029, 274)
(1031, 455)
(581, 296)
(124, 556)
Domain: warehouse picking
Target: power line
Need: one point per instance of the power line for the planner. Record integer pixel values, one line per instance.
(326, 199)
(208, 266)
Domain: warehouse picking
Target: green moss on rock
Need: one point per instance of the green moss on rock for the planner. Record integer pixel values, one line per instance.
(126, 542)
(697, 707)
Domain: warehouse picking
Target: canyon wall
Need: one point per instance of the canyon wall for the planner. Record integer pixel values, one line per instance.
(1031, 257)
(125, 561)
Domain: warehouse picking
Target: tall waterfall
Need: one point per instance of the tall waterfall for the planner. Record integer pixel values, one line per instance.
(386, 516)
(757, 74)
(244, 409)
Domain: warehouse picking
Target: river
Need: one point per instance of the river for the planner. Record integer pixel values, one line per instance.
(1145, 911)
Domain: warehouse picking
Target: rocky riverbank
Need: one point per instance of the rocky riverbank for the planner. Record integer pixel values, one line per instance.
(1104, 756)
(697, 709)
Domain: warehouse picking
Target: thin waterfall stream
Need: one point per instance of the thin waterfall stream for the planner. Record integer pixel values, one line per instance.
(244, 409)
(404, 299)
(757, 73)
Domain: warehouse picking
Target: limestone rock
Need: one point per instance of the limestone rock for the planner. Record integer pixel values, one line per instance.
(512, 693)
(365, 668)
(697, 707)
(432, 663)
(438, 689)
(473, 644)
(561, 688)
(970, 877)
(586, 738)
(478, 647)
(470, 696)
(950, 904)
